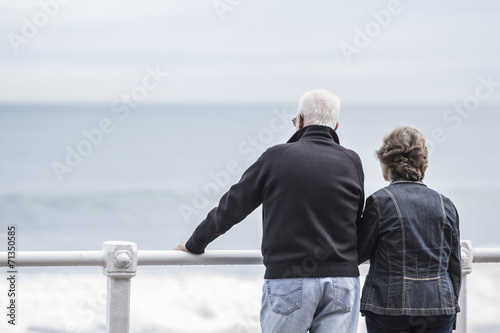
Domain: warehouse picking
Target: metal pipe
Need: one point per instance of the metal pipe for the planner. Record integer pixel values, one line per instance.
(214, 257)
(486, 255)
(121, 266)
(466, 256)
(145, 258)
(171, 258)
(54, 258)
(462, 317)
(118, 305)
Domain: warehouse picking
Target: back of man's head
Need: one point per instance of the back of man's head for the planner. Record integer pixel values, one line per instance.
(320, 107)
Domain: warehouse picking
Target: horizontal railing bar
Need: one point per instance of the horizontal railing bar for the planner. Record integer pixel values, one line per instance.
(171, 258)
(54, 258)
(484, 255)
(145, 258)
(214, 257)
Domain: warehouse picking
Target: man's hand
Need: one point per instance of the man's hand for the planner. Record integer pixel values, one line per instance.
(182, 247)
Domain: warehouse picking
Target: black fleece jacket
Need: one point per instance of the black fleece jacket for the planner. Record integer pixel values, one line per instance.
(311, 189)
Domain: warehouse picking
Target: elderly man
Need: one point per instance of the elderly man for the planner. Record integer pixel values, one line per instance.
(311, 191)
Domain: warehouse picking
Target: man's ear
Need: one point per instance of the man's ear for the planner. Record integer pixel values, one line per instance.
(337, 126)
(300, 119)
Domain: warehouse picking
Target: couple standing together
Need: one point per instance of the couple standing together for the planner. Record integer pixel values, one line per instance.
(317, 229)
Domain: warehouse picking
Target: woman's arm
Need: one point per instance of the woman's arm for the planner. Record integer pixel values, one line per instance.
(368, 229)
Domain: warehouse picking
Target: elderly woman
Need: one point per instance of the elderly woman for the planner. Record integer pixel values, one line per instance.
(411, 235)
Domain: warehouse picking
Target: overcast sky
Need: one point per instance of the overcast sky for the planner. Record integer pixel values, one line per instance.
(237, 51)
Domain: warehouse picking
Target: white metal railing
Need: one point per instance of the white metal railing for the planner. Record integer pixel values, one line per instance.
(120, 260)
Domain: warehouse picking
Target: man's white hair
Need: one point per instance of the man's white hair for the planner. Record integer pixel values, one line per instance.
(320, 107)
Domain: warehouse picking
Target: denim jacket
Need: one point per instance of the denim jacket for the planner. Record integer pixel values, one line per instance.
(410, 233)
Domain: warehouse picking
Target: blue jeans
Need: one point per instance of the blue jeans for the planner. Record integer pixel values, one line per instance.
(317, 305)
(408, 324)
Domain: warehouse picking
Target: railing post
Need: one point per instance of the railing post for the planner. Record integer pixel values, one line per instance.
(467, 262)
(120, 267)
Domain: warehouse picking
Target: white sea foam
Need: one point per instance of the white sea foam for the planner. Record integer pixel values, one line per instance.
(197, 300)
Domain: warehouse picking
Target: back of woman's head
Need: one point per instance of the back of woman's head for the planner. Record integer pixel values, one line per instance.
(404, 154)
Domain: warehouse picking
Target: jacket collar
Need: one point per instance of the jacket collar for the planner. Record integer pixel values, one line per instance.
(401, 180)
(315, 131)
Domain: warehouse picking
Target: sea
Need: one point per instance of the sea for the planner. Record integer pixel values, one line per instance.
(75, 176)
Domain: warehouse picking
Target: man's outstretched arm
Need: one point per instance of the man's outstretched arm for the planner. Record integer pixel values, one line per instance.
(241, 199)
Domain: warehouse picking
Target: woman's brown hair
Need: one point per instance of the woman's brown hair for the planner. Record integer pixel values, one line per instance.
(404, 153)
